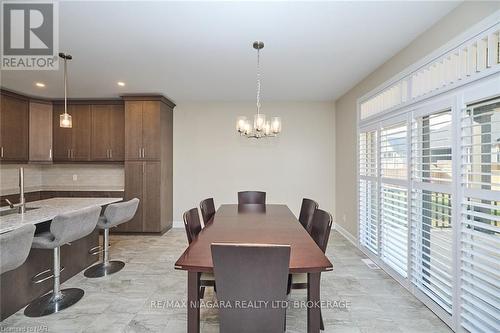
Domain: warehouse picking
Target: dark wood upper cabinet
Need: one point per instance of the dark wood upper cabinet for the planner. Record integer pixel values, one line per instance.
(72, 144)
(151, 130)
(14, 128)
(40, 132)
(108, 133)
(62, 138)
(142, 119)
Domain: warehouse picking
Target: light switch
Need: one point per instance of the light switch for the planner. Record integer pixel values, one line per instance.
(75, 178)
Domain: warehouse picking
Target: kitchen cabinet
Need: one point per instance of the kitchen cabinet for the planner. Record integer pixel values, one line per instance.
(108, 132)
(142, 125)
(14, 128)
(148, 162)
(72, 144)
(40, 131)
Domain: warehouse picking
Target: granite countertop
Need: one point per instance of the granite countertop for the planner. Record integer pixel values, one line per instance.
(48, 209)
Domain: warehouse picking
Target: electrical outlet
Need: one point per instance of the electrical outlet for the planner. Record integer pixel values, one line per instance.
(75, 178)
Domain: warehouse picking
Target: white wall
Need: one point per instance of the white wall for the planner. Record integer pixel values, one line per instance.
(211, 160)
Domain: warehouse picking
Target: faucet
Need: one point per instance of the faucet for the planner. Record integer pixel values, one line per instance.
(22, 199)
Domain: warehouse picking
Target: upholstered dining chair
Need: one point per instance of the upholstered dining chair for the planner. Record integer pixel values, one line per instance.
(307, 212)
(207, 208)
(251, 197)
(264, 280)
(193, 228)
(321, 225)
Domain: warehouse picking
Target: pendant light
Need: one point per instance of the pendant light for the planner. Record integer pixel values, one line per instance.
(261, 128)
(65, 118)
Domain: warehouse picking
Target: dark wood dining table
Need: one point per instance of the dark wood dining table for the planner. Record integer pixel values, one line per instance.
(255, 224)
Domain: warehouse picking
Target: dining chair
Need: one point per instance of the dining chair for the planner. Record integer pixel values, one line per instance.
(193, 228)
(307, 212)
(207, 208)
(321, 225)
(251, 197)
(255, 274)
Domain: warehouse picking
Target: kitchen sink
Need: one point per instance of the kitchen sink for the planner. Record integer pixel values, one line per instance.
(15, 210)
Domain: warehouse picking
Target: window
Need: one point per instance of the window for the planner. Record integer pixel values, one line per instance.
(394, 227)
(480, 229)
(429, 181)
(393, 147)
(368, 194)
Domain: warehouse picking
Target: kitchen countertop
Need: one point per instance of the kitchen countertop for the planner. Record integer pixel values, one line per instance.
(48, 209)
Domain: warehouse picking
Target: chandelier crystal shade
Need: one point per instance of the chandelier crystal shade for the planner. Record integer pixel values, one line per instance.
(65, 118)
(261, 127)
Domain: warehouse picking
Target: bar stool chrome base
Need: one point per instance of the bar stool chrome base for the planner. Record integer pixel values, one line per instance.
(104, 269)
(49, 304)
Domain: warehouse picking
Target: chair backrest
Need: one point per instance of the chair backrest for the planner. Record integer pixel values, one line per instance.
(255, 273)
(120, 212)
(307, 212)
(251, 197)
(207, 208)
(71, 226)
(192, 224)
(15, 246)
(320, 228)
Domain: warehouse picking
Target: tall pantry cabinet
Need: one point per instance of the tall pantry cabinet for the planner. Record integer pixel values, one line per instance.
(148, 161)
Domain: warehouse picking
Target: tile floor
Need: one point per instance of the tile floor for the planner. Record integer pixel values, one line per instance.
(137, 298)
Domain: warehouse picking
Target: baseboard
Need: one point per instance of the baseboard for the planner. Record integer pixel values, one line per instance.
(177, 224)
(346, 234)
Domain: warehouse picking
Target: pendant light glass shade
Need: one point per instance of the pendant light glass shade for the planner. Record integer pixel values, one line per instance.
(240, 124)
(276, 125)
(259, 121)
(65, 120)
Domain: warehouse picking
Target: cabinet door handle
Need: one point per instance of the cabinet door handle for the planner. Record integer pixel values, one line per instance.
(50, 153)
(69, 153)
(140, 152)
(111, 153)
(1, 152)
(143, 152)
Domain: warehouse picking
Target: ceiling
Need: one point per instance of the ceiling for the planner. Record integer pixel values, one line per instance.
(201, 51)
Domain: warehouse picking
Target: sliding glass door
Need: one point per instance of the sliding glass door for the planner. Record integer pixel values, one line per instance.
(429, 203)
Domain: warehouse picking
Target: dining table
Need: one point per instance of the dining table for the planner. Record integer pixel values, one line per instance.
(254, 224)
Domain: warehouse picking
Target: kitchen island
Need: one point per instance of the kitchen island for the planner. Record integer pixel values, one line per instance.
(17, 286)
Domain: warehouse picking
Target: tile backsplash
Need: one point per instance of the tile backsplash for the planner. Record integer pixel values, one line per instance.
(62, 177)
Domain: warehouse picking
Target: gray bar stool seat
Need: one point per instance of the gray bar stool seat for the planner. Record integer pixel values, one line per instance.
(64, 229)
(15, 246)
(114, 215)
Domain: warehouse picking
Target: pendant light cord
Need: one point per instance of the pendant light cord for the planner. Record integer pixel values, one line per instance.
(65, 86)
(258, 81)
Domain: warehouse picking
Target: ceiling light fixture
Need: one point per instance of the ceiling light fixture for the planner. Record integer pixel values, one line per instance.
(261, 128)
(65, 118)
(40, 84)
(121, 83)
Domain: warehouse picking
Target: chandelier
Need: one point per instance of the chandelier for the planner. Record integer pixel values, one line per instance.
(261, 128)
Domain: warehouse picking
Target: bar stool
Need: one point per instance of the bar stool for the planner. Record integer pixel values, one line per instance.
(114, 215)
(64, 228)
(15, 246)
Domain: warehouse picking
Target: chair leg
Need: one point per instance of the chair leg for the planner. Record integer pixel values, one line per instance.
(289, 284)
(321, 324)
